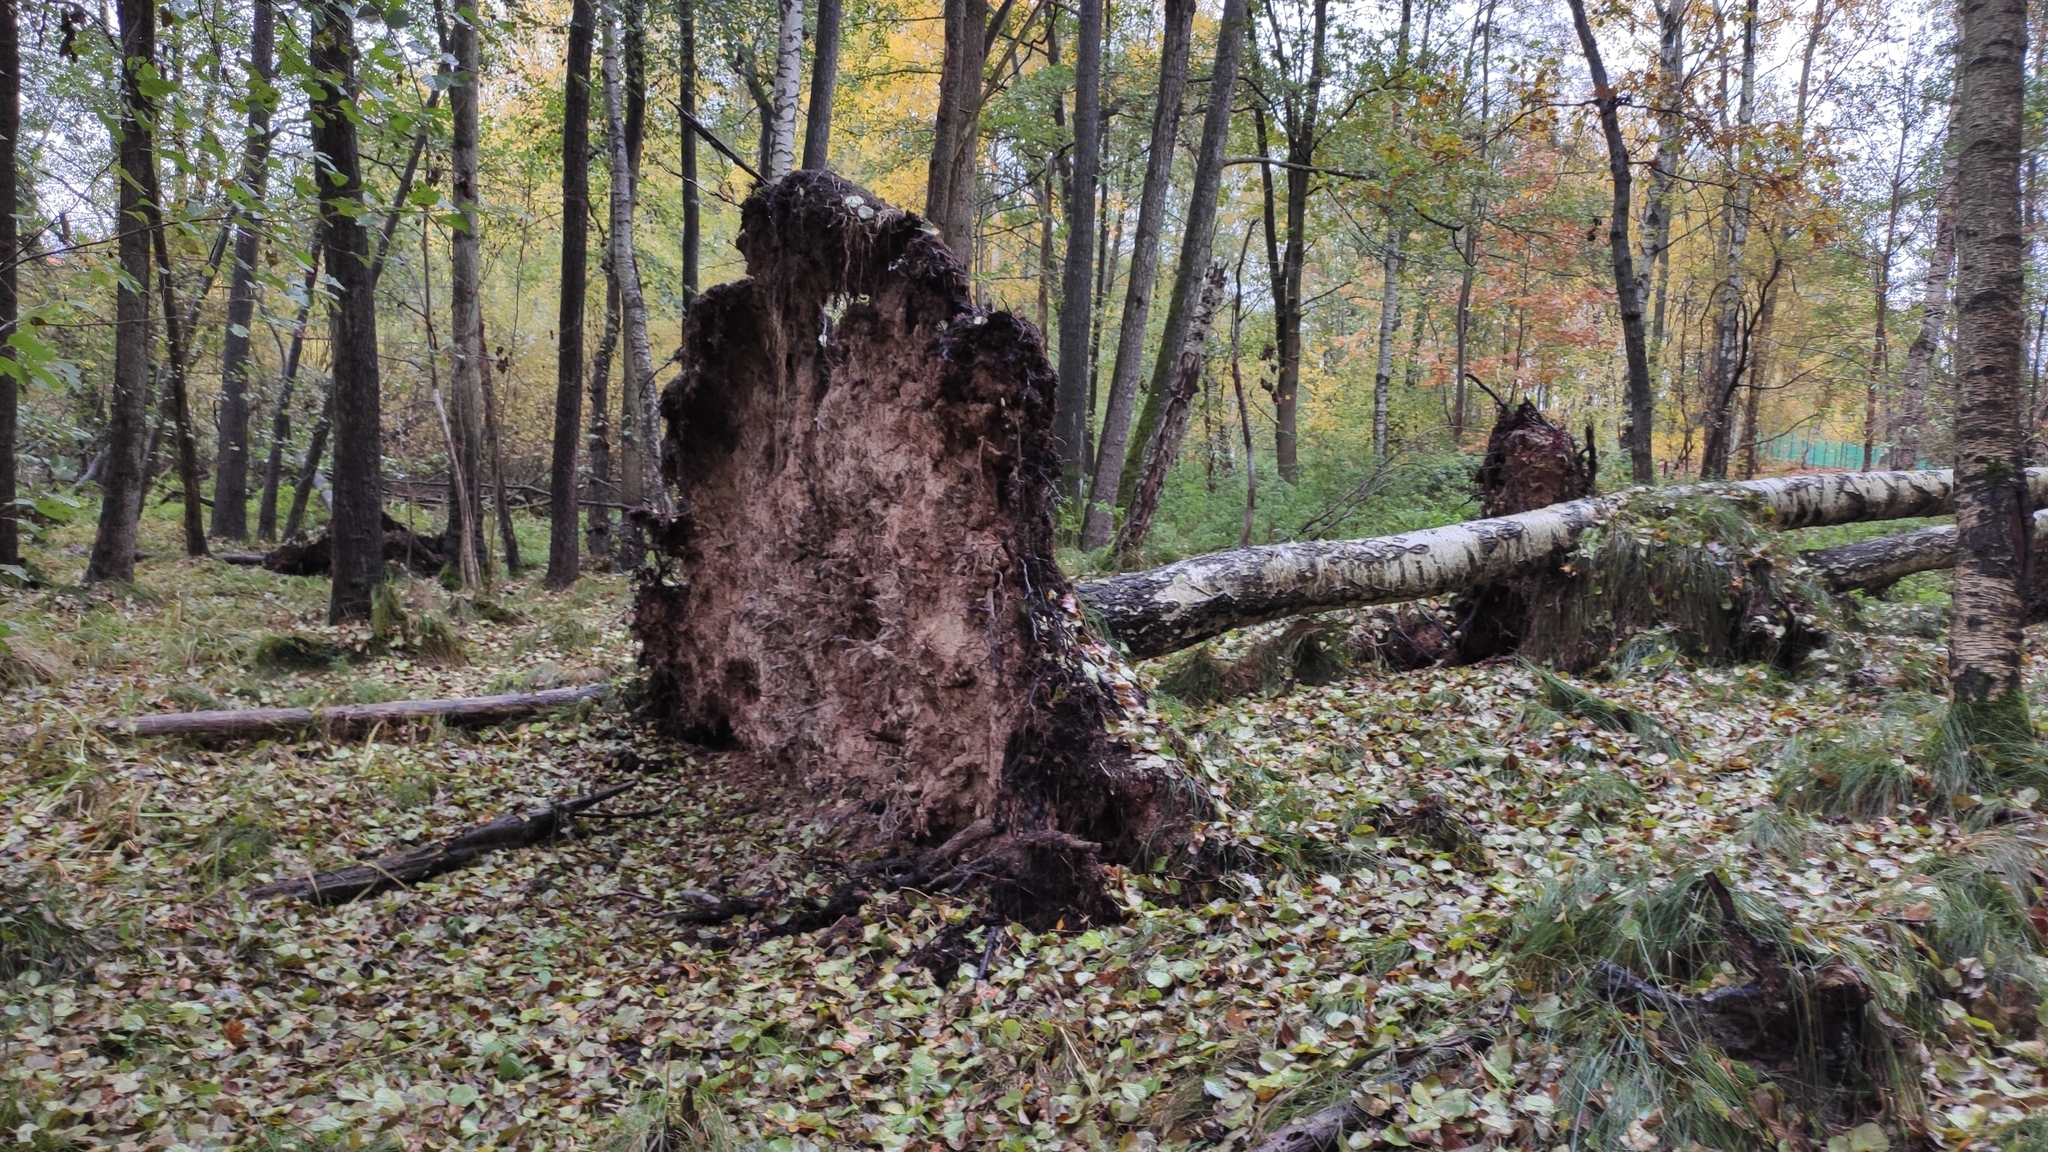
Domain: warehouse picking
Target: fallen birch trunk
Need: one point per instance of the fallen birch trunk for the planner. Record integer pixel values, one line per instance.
(1166, 609)
(1873, 565)
(344, 719)
(511, 830)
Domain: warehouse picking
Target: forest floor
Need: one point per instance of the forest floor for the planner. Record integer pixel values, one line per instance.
(1435, 854)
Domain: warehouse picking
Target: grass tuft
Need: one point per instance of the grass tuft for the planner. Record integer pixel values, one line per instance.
(1603, 795)
(35, 938)
(298, 652)
(1857, 773)
(1569, 699)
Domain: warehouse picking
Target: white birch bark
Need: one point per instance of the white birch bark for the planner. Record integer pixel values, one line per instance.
(639, 402)
(789, 46)
(1166, 609)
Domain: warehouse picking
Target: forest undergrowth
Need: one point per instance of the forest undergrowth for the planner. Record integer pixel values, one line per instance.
(1449, 878)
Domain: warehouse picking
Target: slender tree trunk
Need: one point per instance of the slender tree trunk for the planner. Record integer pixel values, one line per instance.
(174, 366)
(1198, 238)
(789, 67)
(1244, 415)
(1390, 322)
(1109, 252)
(356, 532)
(507, 537)
(1759, 378)
(638, 378)
(1880, 345)
(1100, 522)
(1986, 645)
(467, 567)
(1910, 421)
(1163, 447)
(10, 249)
(1073, 407)
(1657, 216)
(686, 81)
(563, 558)
(465, 290)
(1302, 131)
(1390, 282)
(598, 534)
(1042, 197)
(1728, 325)
(949, 189)
(309, 469)
(824, 83)
(113, 549)
(281, 419)
(1628, 288)
(231, 450)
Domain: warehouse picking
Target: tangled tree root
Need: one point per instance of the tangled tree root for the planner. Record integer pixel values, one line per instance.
(858, 585)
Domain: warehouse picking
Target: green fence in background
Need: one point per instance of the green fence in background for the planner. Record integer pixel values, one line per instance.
(1808, 453)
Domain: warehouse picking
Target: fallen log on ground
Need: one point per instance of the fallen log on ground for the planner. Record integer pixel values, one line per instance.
(338, 720)
(512, 830)
(420, 555)
(1166, 609)
(1874, 565)
(859, 585)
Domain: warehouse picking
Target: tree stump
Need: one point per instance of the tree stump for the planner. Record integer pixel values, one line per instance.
(858, 583)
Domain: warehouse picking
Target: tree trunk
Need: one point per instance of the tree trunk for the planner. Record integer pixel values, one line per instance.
(1390, 279)
(1986, 644)
(1629, 288)
(789, 67)
(598, 538)
(949, 189)
(281, 419)
(231, 450)
(357, 525)
(465, 290)
(1910, 420)
(309, 469)
(1164, 446)
(467, 567)
(1100, 521)
(1390, 321)
(113, 548)
(1728, 325)
(824, 84)
(1165, 609)
(563, 557)
(1197, 243)
(180, 397)
(637, 387)
(1302, 131)
(507, 537)
(794, 459)
(1642, 411)
(1071, 412)
(10, 248)
(686, 83)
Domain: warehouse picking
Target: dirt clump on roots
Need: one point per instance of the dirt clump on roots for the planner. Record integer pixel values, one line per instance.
(1530, 463)
(858, 583)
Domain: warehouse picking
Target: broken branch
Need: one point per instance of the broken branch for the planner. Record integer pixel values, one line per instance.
(509, 831)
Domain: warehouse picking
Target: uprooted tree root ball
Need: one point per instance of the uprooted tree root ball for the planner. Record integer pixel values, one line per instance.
(858, 584)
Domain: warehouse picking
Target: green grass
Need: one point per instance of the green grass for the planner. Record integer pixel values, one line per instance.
(35, 937)
(1569, 699)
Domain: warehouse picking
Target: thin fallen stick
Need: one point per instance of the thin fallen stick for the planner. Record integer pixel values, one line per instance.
(342, 719)
(509, 831)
